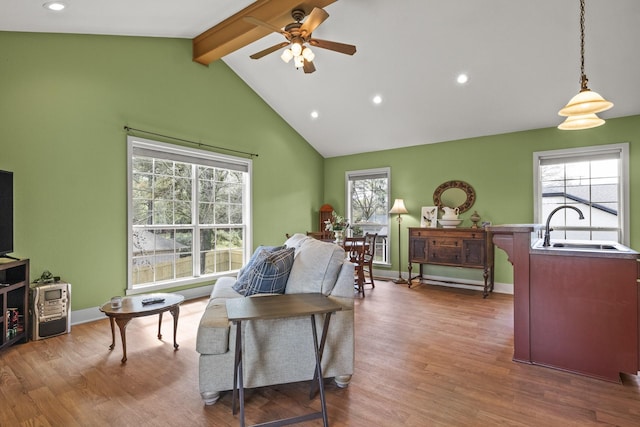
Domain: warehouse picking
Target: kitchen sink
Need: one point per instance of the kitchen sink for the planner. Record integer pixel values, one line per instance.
(583, 245)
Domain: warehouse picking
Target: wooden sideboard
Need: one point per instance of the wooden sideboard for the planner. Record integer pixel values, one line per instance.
(453, 247)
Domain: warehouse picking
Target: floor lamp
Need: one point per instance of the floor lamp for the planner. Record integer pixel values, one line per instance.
(398, 208)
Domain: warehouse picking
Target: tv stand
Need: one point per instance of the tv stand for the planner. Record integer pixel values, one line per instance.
(10, 257)
(14, 302)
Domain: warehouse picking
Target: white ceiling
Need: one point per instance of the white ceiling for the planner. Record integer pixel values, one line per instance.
(522, 58)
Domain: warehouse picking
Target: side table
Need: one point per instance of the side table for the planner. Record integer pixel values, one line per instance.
(132, 307)
(277, 307)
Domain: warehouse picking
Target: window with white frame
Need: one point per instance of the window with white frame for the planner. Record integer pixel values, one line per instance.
(368, 207)
(188, 214)
(592, 179)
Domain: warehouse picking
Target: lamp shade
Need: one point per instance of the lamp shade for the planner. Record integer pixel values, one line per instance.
(398, 207)
(582, 121)
(585, 102)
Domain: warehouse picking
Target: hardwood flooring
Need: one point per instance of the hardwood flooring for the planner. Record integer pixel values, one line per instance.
(428, 356)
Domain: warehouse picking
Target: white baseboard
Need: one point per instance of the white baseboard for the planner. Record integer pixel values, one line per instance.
(93, 313)
(500, 288)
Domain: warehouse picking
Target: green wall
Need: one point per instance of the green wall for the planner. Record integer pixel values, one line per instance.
(498, 167)
(63, 105)
(66, 98)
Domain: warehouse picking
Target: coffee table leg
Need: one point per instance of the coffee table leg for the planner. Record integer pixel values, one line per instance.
(122, 324)
(113, 334)
(159, 325)
(175, 312)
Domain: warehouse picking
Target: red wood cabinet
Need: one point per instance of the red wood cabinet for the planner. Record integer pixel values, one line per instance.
(574, 311)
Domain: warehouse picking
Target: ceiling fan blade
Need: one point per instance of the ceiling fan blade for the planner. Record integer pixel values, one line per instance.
(260, 23)
(308, 67)
(268, 50)
(347, 49)
(315, 18)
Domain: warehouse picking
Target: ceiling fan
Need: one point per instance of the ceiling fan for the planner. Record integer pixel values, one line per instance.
(298, 34)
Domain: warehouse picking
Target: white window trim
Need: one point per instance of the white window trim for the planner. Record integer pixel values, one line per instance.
(132, 142)
(622, 148)
(365, 172)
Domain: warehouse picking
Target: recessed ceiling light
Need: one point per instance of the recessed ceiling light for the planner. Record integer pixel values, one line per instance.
(377, 99)
(462, 78)
(56, 6)
(314, 114)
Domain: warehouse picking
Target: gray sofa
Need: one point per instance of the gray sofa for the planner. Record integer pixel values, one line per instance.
(280, 351)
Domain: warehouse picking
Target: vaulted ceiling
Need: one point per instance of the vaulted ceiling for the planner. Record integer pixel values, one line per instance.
(521, 57)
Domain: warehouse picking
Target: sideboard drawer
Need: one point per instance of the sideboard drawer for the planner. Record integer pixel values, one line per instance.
(445, 242)
(445, 255)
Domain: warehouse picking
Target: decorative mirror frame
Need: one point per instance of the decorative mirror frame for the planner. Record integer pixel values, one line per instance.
(468, 190)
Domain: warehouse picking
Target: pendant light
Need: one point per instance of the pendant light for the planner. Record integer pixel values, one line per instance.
(582, 108)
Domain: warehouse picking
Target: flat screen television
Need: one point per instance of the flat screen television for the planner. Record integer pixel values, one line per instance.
(6, 212)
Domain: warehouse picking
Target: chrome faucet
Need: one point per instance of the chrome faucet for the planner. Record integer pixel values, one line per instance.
(547, 230)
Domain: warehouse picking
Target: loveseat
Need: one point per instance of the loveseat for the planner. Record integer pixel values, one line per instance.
(279, 351)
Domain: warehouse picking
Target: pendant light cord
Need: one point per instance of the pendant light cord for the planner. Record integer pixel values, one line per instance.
(583, 77)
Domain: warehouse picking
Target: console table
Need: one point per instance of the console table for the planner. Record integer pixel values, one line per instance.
(453, 247)
(277, 307)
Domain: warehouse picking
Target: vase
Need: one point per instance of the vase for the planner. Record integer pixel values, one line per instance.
(475, 218)
(339, 237)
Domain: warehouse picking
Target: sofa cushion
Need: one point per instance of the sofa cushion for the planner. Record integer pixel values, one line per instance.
(270, 272)
(296, 241)
(316, 268)
(243, 275)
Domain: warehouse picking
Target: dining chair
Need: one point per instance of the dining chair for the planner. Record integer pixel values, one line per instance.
(369, 253)
(355, 248)
(319, 235)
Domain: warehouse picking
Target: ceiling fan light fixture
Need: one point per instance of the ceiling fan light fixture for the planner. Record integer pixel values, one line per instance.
(296, 46)
(581, 121)
(308, 54)
(298, 36)
(287, 55)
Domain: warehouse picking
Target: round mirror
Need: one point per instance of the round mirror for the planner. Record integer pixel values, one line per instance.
(454, 194)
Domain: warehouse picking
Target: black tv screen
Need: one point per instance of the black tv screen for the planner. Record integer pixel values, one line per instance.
(6, 212)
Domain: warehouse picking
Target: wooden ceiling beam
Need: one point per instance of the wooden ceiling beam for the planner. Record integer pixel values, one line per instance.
(234, 33)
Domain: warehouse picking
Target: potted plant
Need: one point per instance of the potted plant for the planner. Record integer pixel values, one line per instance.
(337, 224)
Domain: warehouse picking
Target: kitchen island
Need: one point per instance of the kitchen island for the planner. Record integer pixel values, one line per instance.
(576, 304)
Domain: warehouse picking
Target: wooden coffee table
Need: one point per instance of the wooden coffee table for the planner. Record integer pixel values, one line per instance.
(132, 307)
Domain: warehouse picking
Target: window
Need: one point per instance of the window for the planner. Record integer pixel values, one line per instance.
(188, 214)
(592, 179)
(368, 207)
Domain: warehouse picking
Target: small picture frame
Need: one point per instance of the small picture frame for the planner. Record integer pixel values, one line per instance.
(429, 217)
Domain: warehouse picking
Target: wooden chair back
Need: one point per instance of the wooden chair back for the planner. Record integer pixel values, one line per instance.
(370, 252)
(355, 248)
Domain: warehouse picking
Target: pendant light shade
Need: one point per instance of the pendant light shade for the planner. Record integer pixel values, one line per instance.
(585, 102)
(583, 121)
(582, 108)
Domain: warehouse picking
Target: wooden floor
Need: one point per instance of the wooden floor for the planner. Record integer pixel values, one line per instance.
(428, 356)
